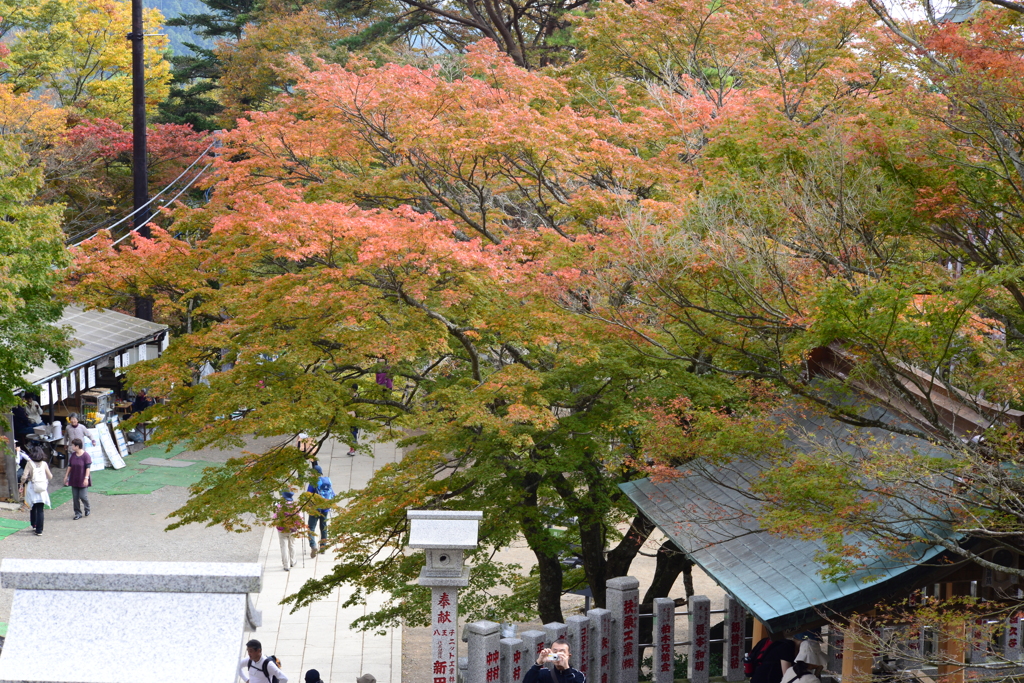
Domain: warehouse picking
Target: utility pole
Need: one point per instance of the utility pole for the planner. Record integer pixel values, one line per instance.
(140, 179)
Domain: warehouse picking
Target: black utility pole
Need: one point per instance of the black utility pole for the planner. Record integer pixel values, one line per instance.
(140, 179)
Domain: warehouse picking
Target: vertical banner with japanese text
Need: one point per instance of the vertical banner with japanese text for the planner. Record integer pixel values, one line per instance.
(443, 642)
(700, 649)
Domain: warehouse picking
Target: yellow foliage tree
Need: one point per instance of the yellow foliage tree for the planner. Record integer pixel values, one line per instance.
(75, 52)
(31, 122)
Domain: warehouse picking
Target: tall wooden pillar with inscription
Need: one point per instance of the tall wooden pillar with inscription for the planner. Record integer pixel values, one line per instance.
(444, 537)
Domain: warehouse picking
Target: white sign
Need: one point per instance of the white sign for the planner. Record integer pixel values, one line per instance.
(109, 447)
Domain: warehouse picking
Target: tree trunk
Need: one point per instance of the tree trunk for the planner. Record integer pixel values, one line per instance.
(592, 553)
(549, 597)
(621, 556)
(669, 564)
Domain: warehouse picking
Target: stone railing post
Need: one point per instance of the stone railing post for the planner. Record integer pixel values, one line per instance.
(534, 642)
(734, 633)
(623, 600)
(700, 632)
(578, 637)
(980, 637)
(600, 636)
(515, 660)
(836, 645)
(482, 652)
(1011, 638)
(554, 631)
(664, 633)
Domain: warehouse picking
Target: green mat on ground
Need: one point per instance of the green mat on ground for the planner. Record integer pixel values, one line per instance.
(136, 478)
(8, 527)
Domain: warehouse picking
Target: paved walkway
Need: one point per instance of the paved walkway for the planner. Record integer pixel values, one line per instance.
(318, 637)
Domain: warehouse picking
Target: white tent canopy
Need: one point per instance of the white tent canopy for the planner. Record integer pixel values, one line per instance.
(102, 335)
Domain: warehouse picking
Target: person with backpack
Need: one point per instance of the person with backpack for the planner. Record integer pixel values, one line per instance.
(35, 483)
(255, 668)
(810, 660)
(323, 488)
(771, 658)
(289, 525)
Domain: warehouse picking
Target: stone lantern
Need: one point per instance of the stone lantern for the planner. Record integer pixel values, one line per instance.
(444, 537)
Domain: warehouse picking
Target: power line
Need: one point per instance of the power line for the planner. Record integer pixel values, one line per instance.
(155, 213)
(95, 230)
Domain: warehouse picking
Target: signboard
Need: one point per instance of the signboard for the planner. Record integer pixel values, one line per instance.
(122, 443)
(109, 447)
(95, 450)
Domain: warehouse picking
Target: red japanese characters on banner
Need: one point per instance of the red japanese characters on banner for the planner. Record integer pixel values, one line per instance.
(444, 639)
(629, 617)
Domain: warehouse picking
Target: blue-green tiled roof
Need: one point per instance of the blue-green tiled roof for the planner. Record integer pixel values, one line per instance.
(710, 515)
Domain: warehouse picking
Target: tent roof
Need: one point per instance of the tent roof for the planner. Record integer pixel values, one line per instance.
(101, 332)
(710, 514)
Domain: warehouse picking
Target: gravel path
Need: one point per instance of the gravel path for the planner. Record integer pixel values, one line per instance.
(127, 527)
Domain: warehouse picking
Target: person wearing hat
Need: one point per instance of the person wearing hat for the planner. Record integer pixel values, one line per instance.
(313, 676)
(810, 661)
(289, 526)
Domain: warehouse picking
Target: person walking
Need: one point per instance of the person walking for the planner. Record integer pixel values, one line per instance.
(255, 668)
(322, 487)
(35, 484)
(79, 476)
(313, 676)
(74, 430)
(289, 525)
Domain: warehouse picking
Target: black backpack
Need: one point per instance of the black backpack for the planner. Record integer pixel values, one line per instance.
(753, 659)
(266, 666)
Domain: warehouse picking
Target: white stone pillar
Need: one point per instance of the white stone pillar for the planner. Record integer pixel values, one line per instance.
(443, 642)
(700, 635)
(1011, 638)
(515, 660)
(578, 637)
(482, 652)
(444, 537)
(734, 633)
(623, 600)
(600, 634)
(555, 631)
(979, 642)
(534, 641)
(664, 633)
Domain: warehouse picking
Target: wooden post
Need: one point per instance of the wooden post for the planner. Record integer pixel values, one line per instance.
(952, 639)
(759, 632)
(856, 653)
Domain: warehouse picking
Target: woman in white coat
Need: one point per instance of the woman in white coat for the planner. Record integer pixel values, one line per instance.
(35, 483)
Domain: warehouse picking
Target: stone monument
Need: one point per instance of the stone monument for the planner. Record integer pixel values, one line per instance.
(444, 536)
(76, 621)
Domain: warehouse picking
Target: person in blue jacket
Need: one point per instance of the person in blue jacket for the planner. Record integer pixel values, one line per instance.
(562, 672)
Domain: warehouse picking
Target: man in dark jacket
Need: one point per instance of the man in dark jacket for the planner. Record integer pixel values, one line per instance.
(558, 654)
(778, 655)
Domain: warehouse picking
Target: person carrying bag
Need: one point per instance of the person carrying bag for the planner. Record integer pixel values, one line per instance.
(35, 483)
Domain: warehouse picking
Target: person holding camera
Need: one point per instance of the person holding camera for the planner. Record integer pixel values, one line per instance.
(561, 672)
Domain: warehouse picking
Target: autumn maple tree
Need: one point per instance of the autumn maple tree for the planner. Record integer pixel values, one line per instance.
(576, 276)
